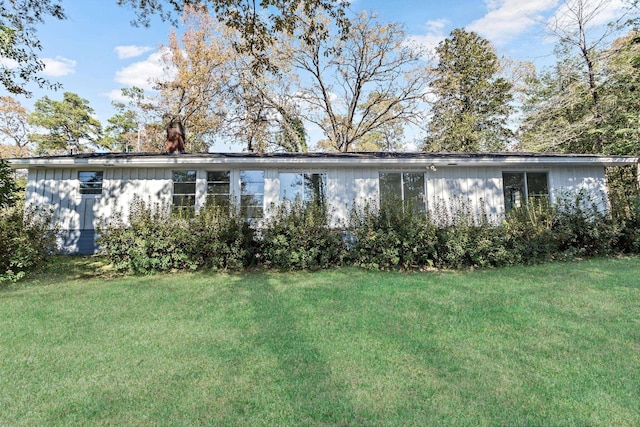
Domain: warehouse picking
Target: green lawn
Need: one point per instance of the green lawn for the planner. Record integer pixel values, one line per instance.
(555, 344)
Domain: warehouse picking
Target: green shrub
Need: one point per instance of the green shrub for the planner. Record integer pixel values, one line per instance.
(152, 241)
(582, 228)
(155, 240)
(391, 238)
(27, 240)
(221, 239)
(529, 234)
(299, 236)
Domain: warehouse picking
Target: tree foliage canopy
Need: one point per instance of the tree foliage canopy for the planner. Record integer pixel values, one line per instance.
(259, 23)
(68, 125)
(19, 43)
(370, 81)
(472, 103)
(8, 187)
(587, 102)
(14, 124)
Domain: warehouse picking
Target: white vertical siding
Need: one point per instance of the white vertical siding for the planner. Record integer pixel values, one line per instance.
(568, 181)
(122, 186)
(351, 187)
(450, 189)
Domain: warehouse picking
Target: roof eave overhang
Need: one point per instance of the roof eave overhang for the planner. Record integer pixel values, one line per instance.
(320, 162)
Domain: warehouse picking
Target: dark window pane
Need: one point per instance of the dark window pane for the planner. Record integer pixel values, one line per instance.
(219, 176)
(537, 187)
(184, 176)
(90, 182)
(251, 193)
(414, 191)
(390, 188)
(514, 196)
(188, 188)
(314, 187)
(217, 188)
(184, 189)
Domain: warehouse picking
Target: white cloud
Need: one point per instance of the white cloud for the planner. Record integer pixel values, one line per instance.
(131, 51)
(434, 34)
(506, 19)
(58, 67)
(8, 63)
(143, 73)
(115, 95)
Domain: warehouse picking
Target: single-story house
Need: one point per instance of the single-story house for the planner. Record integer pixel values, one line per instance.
(86, 189)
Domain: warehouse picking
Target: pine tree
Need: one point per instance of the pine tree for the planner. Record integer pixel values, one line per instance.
(472, 104)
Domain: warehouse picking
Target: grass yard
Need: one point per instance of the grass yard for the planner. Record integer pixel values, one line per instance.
(553, 345)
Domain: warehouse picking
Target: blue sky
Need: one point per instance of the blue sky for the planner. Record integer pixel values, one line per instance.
(97, 51)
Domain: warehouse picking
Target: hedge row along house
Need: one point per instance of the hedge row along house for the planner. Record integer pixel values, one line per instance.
(85, 190)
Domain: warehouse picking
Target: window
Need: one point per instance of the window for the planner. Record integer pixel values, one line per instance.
(405, 189)
(184, 190)
(303, 186)
(521, 188)
(252, 194)
(218, 188)
(90, 182)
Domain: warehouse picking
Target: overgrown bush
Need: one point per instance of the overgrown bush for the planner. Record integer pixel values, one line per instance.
(625, 207)
(582, 228)
(299, 236)
(27, 240)
(154, 239)
(391, 237)
(455, 237)
(221, 239)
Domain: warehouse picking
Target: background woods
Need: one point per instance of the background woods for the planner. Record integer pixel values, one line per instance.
(314, 75)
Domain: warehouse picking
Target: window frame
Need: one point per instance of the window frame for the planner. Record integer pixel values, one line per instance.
(423, 203)
(209, 196)
(177, 207)
(84, 186)
(244, 209)
(304, 191)
(525, 187)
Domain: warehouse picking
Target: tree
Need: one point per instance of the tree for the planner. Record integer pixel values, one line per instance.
(472, 104)
(258, 23)
(370, 80)
(557, 111)
(621, 83)
(195, 89)
(569, 105)
(8, 187)
(14, 124)
(130, 128)
(19, 44)
(68, 125)
(570, 26)
(217, 93)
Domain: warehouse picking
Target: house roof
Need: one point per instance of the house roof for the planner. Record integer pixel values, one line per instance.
(377, 159)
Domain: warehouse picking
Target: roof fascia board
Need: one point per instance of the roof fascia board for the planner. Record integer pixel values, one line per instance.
(204, 161)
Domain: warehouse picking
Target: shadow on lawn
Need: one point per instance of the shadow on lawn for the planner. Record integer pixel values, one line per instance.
(304, 375)
(62, 268)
